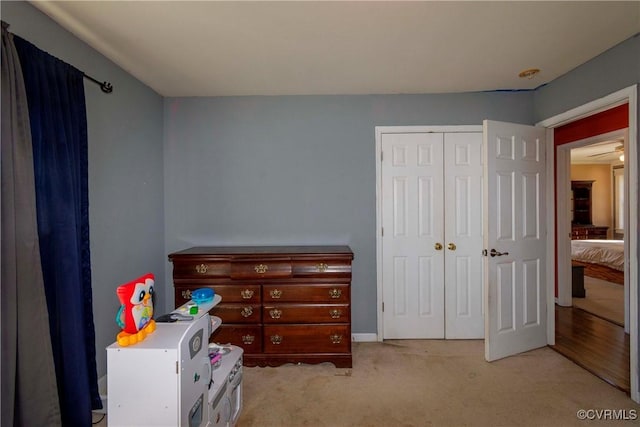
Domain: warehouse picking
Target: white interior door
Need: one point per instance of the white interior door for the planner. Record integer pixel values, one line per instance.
(515, 233)
(464, 314)
(412, 218)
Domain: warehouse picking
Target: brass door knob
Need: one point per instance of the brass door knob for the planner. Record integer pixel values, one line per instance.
(451, 246)
(438, 246)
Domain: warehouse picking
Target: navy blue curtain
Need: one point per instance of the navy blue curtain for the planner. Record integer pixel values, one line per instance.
(55, 95)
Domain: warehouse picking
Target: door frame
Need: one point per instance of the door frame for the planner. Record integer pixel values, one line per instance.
(626, 95)
(379, 130)
(563, 183)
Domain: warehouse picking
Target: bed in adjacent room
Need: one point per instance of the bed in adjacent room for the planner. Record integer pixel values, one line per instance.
(603, 259)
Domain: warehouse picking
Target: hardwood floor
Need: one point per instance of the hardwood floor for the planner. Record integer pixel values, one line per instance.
(597, 345)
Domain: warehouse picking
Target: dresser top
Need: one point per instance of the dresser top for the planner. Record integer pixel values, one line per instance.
(264, 250)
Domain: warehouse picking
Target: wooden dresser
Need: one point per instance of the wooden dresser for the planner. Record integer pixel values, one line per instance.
(281, 304)
(581, 232)
(581, 225)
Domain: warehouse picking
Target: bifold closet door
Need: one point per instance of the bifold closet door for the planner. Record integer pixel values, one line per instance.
(464, 316)
(412, 218)
(432, 241)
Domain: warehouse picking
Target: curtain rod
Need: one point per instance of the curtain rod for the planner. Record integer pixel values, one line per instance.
(105, 86)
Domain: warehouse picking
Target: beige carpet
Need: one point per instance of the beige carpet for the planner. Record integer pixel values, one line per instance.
(604, 299)
(429, 383)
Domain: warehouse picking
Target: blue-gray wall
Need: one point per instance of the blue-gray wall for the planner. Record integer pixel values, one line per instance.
(297, 169)
(165, 174)
(615, 69)
(125, 168)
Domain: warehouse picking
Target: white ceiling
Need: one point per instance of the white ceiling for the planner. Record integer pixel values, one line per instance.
(214, 48)
(602, 152)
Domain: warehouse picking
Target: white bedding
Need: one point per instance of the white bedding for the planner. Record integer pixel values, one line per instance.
(604, 252)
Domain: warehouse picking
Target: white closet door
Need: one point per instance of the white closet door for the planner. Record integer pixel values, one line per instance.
(464, 316)
(412, 218)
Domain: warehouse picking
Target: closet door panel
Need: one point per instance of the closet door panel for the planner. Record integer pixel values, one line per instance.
(463, 235)
(412, 218)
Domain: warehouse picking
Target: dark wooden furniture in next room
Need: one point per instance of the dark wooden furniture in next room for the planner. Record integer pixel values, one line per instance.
(281, 304)
(577, 280)
(582, 227)
(587, 232)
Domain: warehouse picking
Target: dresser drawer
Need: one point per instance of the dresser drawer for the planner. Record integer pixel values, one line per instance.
(238, 313)
(306, 313)
(263, 269)
(306, 293)
(197, 269)
(247, 337)
(182, 294)
(239, 293)
(249, 294)
(322, 268)
(306, 339)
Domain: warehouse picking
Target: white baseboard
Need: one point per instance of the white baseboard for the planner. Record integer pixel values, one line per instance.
(364, 337)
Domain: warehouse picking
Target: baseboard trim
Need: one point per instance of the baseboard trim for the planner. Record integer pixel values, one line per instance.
(364, 337)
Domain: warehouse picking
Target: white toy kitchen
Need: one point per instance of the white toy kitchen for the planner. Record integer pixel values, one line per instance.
(175, 377)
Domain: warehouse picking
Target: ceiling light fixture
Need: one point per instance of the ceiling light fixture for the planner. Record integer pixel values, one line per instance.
(528, 74)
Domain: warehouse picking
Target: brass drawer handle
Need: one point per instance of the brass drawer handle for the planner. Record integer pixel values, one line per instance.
(276, 339)
(335, 293)
(275, 293)
(322, 267)
(261, 268)
(248, 339)
(336, 339)
(186, 294)
(201, 268)
(246, 293)
(335, 314)
(275, 313)
(246, 311)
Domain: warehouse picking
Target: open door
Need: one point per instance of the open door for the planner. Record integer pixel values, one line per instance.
(514, 239)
